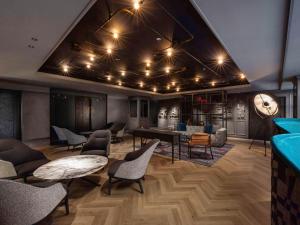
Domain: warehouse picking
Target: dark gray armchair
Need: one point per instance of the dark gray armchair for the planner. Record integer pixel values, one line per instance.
(98, 144)
(118, 131)
(72, 139)
(133, 167)
(23, 204)
(24, 159)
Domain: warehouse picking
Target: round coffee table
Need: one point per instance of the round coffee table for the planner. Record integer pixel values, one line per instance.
(71, 167)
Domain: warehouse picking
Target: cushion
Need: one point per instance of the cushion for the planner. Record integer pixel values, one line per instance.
(114, 166)
(29, 167)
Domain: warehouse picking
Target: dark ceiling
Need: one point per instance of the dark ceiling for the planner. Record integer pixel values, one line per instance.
(145, 35)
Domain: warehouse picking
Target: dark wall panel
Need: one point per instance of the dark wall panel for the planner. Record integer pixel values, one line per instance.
(82, 113)
(98, 112)
(10, 114)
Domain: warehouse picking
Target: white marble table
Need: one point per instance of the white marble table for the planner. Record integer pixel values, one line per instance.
(71, 167)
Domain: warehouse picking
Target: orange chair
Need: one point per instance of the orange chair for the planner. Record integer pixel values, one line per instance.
(200, 139)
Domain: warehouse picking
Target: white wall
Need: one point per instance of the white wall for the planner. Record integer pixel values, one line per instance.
(117, 109)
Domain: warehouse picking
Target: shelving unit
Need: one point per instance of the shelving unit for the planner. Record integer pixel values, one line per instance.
(204, 108)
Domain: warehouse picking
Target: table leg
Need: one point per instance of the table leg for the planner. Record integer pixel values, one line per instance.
(173, 151)
(133, 143)
(179, 146)
(89, 181)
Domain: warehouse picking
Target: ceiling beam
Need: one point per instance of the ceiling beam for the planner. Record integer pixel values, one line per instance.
(288, 18)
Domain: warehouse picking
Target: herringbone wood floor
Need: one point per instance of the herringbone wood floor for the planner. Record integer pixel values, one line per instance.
(234, 191)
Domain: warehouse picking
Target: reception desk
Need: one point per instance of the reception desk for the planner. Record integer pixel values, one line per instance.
(286, 172)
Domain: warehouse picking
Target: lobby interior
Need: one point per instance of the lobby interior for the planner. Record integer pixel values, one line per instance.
(149, 112)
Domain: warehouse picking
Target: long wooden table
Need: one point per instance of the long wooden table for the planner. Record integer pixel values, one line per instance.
(167, 136)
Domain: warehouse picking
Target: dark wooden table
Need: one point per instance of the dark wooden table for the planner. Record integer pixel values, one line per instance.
(167, 136)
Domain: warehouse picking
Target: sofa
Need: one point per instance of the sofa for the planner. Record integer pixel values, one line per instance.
(24, 159)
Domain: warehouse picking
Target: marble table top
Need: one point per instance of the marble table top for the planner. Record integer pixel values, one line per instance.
(71, 167)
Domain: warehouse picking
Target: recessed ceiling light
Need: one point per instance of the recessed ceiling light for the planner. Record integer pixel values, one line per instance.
(88, 66)
(109, 50)
(141, 84)
(136, 5)
(115, 35)
(109, 77)
(197, 79)
(147, 73)
(213, 83)
(158, 39)
(154, 89)
(178, 89)
(167, 69)
(119, 83)
(123, 73)
(242, 76)
(169, 52)
(148, 63)
(220, 60)
(173, 83)
(92, 58)
(65, 68)
(168, 87)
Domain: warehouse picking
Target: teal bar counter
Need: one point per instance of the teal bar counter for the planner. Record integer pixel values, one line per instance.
(285, 203)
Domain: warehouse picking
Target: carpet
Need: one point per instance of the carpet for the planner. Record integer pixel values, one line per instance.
(198, 154)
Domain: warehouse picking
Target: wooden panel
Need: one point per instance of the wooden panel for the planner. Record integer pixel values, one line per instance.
(98, 112)
(82, 113)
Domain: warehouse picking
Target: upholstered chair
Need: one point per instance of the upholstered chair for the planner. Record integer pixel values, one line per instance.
(98, 144)
(24, 159)
(132, 167)
(72, 139)
(118, 131)
(219, 138)
(7, 170)
(23, 204)
(200, 139)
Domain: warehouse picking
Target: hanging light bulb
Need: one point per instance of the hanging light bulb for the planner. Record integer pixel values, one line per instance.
(136, 4)
(169, 52)
(168, 87)
(173, 83)
(123, 73)
(213, 83)
(92, 58)
(109, 77)
(147, 73)
(220, 60)
(197, 79)
(242, 76)
(88, 66)
(167, 69)
(65, 68)
(154, 89)
(141, 84)
(119, 82)
(178, 89)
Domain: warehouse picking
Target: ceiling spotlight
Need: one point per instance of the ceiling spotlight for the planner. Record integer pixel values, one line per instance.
(148, 63)
(178, 89)
(158, 39)
(242, 76)
(213, 83)
(109, 50)
(119, 83)
(88, 66)
(65, 68)
(141, 84)
(220, 60)
(173, 83)
(167, 69)
(92, 58)
(123, 73)
(109, 78)
(154, 89)
(169, 52)
(136, 4)
(168, 87)
(115, 35)
(197, 79)
(147, 73)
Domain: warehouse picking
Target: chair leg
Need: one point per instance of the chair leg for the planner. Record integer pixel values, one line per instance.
(141, 186)
(67, 205)
(109, 185)
(25, 179)
(212, 156)
(143, 178)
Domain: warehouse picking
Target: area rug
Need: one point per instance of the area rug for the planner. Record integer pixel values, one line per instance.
(198, 154)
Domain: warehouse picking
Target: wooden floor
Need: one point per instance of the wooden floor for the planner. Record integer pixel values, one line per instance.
(234, 191)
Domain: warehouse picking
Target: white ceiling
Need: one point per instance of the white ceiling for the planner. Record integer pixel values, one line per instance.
(251, 31)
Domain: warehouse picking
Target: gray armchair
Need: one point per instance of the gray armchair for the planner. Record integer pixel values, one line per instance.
(133, 167)
(24, 159)
(72, 139)
(118, 131)
(98, 144)
(219, 138)
(23, 204)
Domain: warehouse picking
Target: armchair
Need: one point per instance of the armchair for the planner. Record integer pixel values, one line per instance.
(24, 159)
(133, 167)
(219, 138)
(23, 204)
(72, 139)
(118, 131)
(98, 144)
